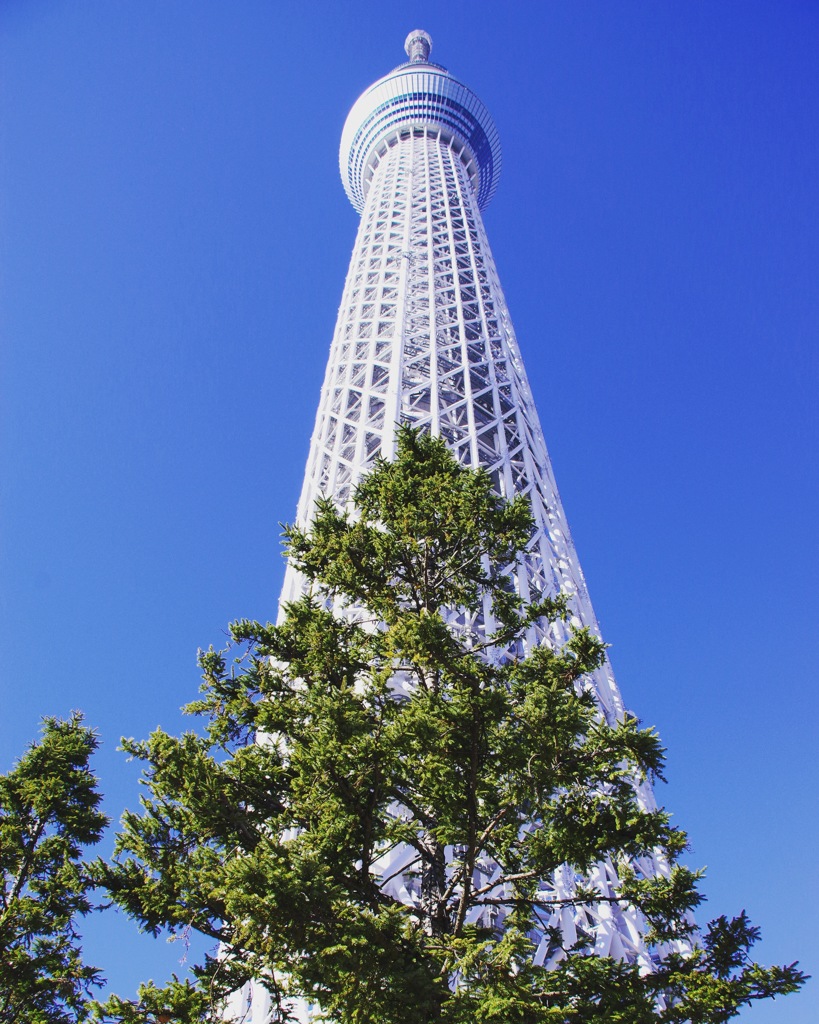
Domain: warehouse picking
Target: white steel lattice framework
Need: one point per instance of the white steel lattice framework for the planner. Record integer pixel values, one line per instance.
(424, 337)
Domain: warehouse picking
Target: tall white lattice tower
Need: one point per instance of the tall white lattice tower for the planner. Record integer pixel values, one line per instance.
(424, 337)
(423, 333)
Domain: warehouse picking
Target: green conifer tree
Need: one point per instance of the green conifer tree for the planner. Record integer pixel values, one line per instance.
(49, 812)
(265, 834)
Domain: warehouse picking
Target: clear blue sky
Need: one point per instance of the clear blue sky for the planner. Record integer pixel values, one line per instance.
(174, 243)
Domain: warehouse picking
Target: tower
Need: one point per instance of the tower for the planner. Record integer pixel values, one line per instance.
(423, 333)
(424, 337)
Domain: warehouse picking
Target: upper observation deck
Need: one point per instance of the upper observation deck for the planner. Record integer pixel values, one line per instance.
(422, 95)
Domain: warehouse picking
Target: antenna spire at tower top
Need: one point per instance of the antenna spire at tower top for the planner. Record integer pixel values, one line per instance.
(418, 44)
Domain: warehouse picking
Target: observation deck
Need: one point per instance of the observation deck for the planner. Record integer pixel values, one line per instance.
(418, 95)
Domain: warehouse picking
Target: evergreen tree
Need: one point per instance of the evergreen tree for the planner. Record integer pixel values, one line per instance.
(49, 811)
(368, 718)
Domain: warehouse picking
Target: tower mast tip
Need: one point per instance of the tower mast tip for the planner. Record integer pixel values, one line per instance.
(417, 45)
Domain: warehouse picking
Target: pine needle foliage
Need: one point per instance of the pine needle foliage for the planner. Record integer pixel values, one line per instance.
(49, 814)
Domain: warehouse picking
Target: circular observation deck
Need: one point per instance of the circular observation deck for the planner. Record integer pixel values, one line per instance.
(421, 96)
